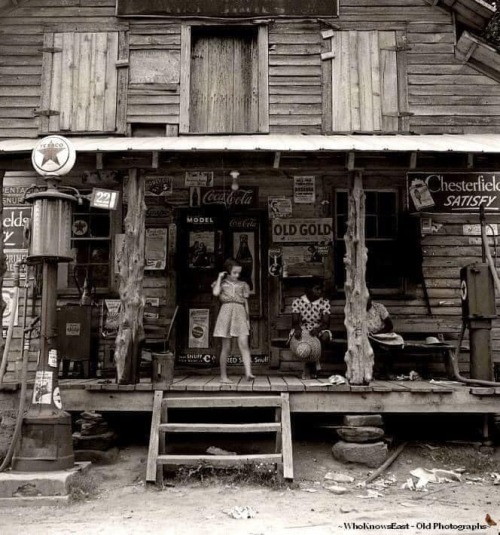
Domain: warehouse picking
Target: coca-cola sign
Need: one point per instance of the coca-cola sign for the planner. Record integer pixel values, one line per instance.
(245, 197)
(245, 223)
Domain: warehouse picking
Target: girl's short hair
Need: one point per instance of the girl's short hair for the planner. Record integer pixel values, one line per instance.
(230, 263)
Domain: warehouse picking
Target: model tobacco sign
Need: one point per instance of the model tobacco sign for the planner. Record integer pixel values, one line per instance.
(453, 192)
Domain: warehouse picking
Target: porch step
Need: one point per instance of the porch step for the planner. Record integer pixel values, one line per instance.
(221, 428)
(160, 428)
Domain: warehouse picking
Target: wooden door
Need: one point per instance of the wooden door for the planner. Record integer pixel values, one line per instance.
(206, 238)
(224, 81)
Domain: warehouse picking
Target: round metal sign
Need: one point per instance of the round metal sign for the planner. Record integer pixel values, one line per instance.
(53, 155)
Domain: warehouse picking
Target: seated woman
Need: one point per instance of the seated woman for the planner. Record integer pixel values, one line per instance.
(311, 317)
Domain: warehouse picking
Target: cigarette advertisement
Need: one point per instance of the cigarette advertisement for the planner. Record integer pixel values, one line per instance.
(199, 322)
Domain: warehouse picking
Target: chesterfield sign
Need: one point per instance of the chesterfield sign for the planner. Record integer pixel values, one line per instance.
(453, 192)
(228, 8)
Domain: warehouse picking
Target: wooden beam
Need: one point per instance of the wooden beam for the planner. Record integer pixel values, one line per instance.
(99, 161)
(277, 158)
(470, 160)
(154, 159)
(351, 161)
(413, 160)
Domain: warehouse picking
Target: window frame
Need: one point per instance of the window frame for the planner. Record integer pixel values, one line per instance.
(64, 269)
(185, 80)
(400, 288)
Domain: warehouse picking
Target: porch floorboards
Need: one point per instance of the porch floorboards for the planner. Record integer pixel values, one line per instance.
(315, 395)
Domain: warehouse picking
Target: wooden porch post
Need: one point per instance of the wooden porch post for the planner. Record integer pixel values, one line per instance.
(359, 356)
(3, 269)
(131, 273)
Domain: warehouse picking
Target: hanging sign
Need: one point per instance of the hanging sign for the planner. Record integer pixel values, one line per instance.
(453, 192)
(53, 155)
(104, 198)
(156, 248)
(304, 189)
(302, 230)
(199, 319)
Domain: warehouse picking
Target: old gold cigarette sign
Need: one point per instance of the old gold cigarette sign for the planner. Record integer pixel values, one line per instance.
(453, 192)
(302, 230)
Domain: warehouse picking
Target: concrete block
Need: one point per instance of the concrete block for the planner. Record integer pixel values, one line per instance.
(20, 485)
(363, 420)
(360, 434)
(372, 455)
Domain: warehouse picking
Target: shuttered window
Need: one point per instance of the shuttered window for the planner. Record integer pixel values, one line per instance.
(224, 73)
(369, 82)
(80, 83)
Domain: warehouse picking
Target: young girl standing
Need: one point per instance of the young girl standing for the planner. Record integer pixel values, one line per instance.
(234, 318)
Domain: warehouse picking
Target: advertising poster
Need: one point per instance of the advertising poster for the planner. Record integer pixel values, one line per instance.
(279, 207)
(303, 230)
(201, 249)
(111, 315)
(244, 252)
(42, 389)
(156, 248)
(151, 304)
(304, 189)
(9, 308)
(199, 179)
(453, 192)
(158, 186)
(199, 324)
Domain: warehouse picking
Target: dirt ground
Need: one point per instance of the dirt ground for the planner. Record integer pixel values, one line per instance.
(120, 503)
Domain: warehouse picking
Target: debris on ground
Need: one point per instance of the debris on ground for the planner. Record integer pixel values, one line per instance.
(412, 376)
(370, 493)
(496, 478)
(336, 380)
(336, 489)
(346, 509)
(425, 476)
(339, 477)
(241, 513)
(213, 450)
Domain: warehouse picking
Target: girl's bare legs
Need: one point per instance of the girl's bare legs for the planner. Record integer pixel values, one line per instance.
(245, 354)
(224, 353)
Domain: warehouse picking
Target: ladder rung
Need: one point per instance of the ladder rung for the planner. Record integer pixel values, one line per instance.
(269, 427)
(229, 402)
(220, 460)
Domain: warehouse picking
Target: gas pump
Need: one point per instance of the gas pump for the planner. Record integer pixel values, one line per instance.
(477, 291)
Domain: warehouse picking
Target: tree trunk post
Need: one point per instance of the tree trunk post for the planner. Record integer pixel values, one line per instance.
(131, 275)
(3, 269)
(359, 356)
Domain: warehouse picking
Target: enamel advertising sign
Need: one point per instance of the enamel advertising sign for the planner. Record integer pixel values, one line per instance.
(453, 192)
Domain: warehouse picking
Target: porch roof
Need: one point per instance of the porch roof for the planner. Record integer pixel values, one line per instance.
(466, 143)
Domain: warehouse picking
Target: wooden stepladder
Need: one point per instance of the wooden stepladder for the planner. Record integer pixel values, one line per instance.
(282, 457)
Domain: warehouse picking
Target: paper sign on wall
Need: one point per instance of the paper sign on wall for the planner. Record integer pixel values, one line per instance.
(279, 207)
(156, 248)
(304, 189)
(199, 321)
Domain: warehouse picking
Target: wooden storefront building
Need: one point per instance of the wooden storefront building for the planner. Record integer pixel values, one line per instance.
(238, 133)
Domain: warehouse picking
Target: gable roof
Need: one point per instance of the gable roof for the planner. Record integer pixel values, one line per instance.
(473, 14)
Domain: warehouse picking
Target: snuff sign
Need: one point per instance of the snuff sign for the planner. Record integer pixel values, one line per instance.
(302, 230)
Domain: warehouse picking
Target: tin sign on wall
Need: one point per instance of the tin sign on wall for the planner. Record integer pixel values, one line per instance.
(453, 192)
(302, 230)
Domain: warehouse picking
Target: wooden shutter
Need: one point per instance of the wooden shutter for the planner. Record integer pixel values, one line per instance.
(80, 83)
(367, 82)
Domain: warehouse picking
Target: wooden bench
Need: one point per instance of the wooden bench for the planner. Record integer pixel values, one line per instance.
(414, 334)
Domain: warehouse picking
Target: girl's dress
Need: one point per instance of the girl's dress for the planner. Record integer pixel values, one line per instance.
(232, 318)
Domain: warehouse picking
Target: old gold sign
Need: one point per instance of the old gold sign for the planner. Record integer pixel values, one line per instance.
(302, 230)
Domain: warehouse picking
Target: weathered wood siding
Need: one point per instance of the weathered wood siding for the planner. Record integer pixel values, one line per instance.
(443, 94)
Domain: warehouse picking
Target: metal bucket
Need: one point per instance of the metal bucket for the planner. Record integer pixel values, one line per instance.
(162, 369)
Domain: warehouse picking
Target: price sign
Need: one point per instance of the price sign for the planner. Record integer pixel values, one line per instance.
(104, 198)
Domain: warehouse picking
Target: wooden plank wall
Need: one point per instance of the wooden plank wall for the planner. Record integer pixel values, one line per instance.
(444, 95)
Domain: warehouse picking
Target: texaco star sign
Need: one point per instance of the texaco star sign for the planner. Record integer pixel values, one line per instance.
(53, 155)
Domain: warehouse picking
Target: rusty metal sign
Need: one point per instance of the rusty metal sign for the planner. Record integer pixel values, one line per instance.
(227, 8)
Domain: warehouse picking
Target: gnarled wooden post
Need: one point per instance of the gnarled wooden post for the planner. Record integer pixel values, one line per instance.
(131, 265)
(359, 356)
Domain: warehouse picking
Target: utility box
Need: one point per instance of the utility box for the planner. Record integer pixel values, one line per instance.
(74, 334)
(477, 291)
